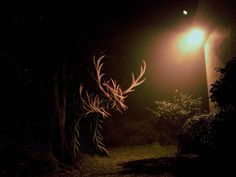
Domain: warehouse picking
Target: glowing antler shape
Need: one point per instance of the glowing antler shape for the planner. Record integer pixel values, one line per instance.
(112, 92)
(93, 104)
(138, 81)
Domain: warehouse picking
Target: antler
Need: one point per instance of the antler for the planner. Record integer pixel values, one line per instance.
(138, 81)
(98, 67)
(93, 104)
(109, 88)
(112, 91)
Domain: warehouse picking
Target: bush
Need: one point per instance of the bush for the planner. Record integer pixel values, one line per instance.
(170, 115)
(198, 135)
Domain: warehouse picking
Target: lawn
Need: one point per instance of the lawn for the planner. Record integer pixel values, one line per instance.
(93, 165)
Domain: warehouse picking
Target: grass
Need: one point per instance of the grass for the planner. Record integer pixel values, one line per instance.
(111, 166)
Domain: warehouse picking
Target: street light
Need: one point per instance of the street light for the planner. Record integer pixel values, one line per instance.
(191, 44)
(192, 40)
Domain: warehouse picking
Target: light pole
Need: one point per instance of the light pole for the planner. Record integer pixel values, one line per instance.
(192, 42)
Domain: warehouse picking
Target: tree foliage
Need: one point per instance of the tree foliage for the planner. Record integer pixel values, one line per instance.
(223, 90)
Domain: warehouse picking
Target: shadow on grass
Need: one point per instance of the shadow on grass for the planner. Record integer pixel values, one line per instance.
(188, 165)
(178, 166)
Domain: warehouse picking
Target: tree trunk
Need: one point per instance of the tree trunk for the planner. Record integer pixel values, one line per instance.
(61, 145)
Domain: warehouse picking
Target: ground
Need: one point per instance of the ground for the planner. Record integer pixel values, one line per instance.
(131, 161)
(114, 165)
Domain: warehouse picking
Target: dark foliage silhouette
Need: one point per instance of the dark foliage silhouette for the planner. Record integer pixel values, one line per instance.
(223, 90)
(224, 95)
(212, 135)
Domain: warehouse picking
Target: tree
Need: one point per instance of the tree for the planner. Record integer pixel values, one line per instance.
(223, 90)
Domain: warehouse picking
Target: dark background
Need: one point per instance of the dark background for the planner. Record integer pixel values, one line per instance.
(39, 37)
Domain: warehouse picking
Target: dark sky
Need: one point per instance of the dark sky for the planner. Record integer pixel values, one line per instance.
(84, 23)
(81, 27)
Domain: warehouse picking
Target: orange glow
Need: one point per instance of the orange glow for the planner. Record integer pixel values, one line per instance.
(192, 41)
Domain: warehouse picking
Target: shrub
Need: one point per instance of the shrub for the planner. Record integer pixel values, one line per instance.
(170, 115)
(198, 134)
(208, 134)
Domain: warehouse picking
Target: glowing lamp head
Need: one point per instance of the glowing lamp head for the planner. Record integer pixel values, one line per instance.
(192, 40)
(195, 38)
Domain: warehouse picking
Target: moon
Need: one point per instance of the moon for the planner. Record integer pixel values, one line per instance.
(185, 12)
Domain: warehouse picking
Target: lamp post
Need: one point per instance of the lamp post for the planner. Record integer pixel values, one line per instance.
(192, 42)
